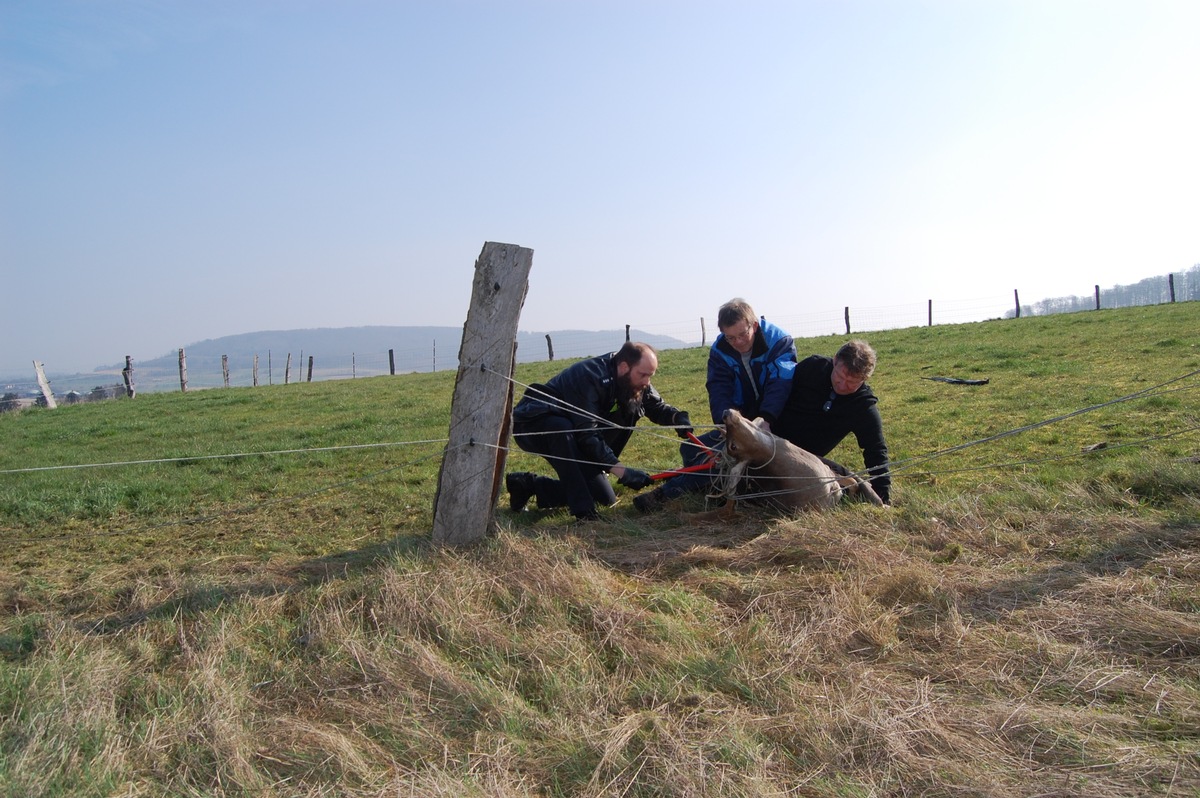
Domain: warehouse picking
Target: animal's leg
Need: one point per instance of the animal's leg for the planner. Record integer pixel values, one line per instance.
(860, 489)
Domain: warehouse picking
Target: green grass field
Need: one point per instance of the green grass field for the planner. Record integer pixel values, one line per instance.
(234, 592)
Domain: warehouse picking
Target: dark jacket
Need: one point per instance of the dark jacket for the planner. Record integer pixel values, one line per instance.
(587, 393)
(806, 423)
(771, 363)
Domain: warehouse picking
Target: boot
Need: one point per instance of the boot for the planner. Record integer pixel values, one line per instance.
(520, 489)
(649, 502)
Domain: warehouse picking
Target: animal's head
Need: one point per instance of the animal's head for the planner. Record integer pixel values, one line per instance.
(745, 440)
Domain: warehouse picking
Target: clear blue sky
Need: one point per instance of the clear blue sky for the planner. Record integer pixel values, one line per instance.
(177, 171)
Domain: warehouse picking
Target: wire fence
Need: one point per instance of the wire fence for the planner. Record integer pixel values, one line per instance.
(204, 370)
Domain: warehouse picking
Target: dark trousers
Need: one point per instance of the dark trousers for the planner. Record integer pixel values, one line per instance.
(691, 454)
(580, 486)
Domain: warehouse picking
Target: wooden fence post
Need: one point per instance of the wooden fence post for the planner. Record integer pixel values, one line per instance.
(930, 324)
(182, 371)
(310, 365)
(847, 320)
(254, 376)
(480, 412)
(549, 347)
(1171, 286)
(287, 370)
(392, 362)
(1097, 297)
(703, 333)
(626, 333)
(1017, 300)
(225, 369)
(44, 384)
(127, 374)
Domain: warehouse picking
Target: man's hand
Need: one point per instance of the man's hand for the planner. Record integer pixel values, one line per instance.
(633, 478)
(683, 424)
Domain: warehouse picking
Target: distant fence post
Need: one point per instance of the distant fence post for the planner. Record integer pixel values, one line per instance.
(182, 371)
(310, 365)
(626, 333)
(254, 376)
(1171, 286)
(1097, 297)
(703, 333)
(392, 362)
(353, 366)
(930, 324)
(549, 347)
(435, 354)
(225, 369)
(44, 384)
(480, 412)
(287, 370)
(1017, 302)
(847, 320)
(127, 374)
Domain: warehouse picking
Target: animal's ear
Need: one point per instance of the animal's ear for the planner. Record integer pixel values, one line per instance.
(758, 422)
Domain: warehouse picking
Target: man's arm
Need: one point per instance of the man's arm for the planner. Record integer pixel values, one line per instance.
(868, 431)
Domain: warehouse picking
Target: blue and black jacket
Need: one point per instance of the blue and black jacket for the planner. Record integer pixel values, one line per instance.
(764, 389)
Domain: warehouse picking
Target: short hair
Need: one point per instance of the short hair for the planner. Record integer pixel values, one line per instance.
(858, 357)
(632, 352)
(733, 311)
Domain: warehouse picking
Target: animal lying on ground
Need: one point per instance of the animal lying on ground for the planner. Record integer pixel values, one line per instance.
(790, 477)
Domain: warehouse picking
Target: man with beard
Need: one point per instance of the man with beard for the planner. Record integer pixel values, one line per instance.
(580, 422)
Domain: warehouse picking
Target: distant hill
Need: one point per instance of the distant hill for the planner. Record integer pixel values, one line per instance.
(344, 352)
(414, 347)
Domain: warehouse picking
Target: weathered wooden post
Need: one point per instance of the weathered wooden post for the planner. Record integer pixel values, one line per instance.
(1171, 287)
(225, 369)
(254, 375)
(1097, 297)
(310, 365)
(1017, 300)
(847, 320)
(44, 384)
(930, 324)
(127, 375)
(480, 412)
(703, 333)
(287, 370)
(549, 348)
(626, 333)
(182, 371)
(392, 362)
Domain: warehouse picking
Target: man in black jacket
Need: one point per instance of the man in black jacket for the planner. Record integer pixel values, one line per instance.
(830, 399)
(580, 422)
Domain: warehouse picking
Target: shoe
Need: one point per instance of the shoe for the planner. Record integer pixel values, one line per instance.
(520, 489)
(649, 502)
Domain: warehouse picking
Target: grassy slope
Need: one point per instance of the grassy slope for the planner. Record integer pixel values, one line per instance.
(1022, 622)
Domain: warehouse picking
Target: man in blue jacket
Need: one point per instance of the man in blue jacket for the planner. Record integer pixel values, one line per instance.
(750, 367)
(580, 422)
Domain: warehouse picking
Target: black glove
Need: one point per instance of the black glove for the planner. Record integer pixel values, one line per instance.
(683, 424)
(632, 478)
